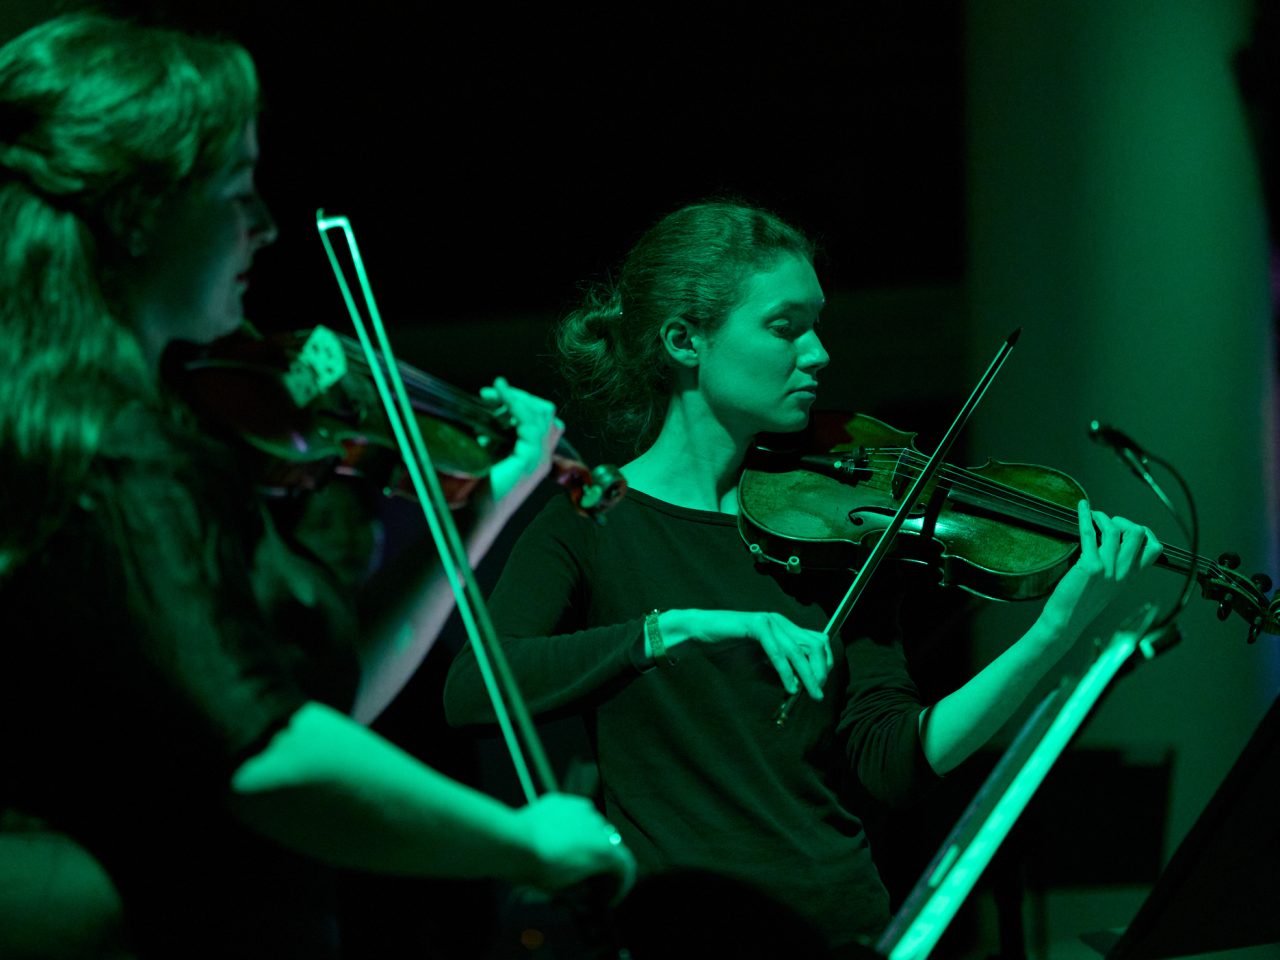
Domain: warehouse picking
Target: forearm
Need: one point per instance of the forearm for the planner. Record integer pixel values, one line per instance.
(960, 723)
(332, 790)
(552, 672)
(540, 608)
(405, 608)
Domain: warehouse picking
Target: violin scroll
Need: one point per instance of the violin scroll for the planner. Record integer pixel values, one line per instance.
(1235, 593)
(591, 491)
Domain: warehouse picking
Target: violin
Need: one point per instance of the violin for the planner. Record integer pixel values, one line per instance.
(1003, 531)
(305, 402)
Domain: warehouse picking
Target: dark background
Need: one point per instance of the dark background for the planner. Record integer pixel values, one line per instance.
(492, 159)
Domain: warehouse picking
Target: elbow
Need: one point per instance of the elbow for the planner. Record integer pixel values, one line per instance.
(892, 766)
(938, 762)
(293, 756)
(465, 703)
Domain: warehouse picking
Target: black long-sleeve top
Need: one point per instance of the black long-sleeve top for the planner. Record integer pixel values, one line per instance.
(694, 771)
(163, 635)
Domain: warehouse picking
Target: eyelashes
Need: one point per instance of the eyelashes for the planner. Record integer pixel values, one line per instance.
(792, 330)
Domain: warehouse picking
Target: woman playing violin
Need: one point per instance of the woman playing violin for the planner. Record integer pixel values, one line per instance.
(677, 648)
(179, 674)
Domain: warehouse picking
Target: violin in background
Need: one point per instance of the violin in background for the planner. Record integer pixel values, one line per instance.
(305, 402)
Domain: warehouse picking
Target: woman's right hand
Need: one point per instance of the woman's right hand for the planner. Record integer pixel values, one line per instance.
(800, 656)
(573, 843)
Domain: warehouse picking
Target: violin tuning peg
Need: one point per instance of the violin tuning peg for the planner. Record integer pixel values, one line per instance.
(1229, 560)
(590, 497)
(1262, 582)
(1224, 610)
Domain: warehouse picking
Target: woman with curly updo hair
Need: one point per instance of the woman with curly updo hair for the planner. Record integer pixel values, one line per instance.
(178, 674)
(692, 265)
(677, 647)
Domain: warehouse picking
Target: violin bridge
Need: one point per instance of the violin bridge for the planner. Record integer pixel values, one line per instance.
(937, 500)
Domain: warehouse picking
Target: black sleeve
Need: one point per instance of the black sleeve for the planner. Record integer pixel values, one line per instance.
(189, 654)
(537, 609)
(879, 725)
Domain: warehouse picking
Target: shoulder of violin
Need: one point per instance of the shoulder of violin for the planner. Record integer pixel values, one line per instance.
(862, 430)
(1048, 482)
(836, 431)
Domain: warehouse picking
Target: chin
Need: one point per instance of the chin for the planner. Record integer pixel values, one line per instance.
(787, 422)
(224, 323)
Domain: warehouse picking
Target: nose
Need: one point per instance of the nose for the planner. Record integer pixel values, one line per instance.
(813, 355)
(263, 230)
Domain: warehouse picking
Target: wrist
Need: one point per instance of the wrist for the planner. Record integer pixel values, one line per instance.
(483, 504)
(1050, 633)
(678, 627)
(525, 862)
(655, 642)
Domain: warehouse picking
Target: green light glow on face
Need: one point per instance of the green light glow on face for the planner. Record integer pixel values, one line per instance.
(960, 866)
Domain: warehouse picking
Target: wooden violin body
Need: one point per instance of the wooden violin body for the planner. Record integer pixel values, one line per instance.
(829, 509)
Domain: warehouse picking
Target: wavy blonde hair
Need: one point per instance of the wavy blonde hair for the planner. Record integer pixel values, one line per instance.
(100, 121)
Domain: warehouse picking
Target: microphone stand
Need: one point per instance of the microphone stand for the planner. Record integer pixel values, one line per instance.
(1136, 459)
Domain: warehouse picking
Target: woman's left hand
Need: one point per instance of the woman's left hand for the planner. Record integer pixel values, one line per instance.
(1105, 567)
(537, 431)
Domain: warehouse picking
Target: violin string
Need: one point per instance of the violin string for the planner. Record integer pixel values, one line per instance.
(428, 387)
(1067, 520)
(1052, 514)
(426, 384)
(459, 401)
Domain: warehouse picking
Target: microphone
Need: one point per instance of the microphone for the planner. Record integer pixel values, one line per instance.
(1131, 455)
(1123, 446)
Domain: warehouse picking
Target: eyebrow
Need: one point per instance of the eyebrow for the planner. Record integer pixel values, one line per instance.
(783, 306)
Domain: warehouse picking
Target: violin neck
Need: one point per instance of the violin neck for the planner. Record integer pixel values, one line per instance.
(1183, 561)
(434, 395)
(1037, 513)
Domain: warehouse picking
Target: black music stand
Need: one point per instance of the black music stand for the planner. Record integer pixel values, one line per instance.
(1221, 890)
(956, 867)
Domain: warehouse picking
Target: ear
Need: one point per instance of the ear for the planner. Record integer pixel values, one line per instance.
(682, 338)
